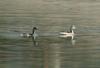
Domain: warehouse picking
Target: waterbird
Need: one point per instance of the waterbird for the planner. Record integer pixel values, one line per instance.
(70, 33)
(33, 34)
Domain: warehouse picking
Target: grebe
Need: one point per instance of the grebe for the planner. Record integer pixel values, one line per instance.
(68, 34)
(33, 34)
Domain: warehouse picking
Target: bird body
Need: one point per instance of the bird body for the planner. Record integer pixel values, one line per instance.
(33, 34)
(68, 34)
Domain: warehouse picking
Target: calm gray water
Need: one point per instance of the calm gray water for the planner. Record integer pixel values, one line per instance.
(49, 50)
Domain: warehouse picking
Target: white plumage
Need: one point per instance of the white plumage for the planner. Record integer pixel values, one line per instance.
(68, 34)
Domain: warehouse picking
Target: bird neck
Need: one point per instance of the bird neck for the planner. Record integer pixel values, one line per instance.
(33, 31)
(72, 31)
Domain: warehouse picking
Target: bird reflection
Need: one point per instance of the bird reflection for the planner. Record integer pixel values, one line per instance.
(73, 41)
(35, 43)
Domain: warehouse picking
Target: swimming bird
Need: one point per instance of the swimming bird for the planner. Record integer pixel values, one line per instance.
(33, 34)
(68, 34)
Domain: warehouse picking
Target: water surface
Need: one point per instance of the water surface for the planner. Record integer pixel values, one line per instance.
(49, 50)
